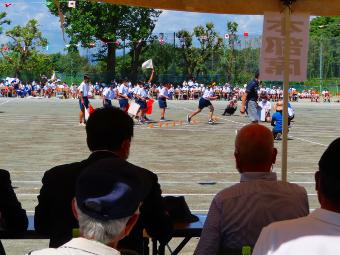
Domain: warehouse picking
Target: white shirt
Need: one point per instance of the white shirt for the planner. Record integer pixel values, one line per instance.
(265, 109)
(109, 93)
(79, 246)
(208, 93)
(122, 89)
(84, 88)
(142, 93)
(316, 234)
(238, 213)
(164, 92)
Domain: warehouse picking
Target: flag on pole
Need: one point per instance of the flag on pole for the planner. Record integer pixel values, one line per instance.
(72, 4)
(147, 64)
(54, 76)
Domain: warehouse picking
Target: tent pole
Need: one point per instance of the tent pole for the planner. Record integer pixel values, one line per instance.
(285, 95)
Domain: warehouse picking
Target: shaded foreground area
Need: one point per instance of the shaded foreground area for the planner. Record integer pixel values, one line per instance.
(192, 160)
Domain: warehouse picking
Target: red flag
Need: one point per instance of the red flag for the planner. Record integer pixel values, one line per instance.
(246, 34)
(149, 104)
(91, 109)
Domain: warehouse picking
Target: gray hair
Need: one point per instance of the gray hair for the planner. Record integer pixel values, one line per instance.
(101, 231)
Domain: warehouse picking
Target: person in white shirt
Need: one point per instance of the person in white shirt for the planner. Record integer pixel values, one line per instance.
(141, 96)
(123, 98)
(319, 232)
(265, 106)
(108, 95)
(83, 90)
(162, 97)
(106, 205)
(205, 102)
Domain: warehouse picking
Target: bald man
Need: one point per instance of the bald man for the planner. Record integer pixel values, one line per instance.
(238, 213)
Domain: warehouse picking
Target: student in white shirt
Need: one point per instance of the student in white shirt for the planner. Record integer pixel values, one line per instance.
(123, 98)
(162, 97)
(108, 95)
(141, 96)
(83, 90)
(205, 102)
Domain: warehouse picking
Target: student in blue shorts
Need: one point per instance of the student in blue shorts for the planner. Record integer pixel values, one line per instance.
(162, 97)
(209, 94)
(123, 98)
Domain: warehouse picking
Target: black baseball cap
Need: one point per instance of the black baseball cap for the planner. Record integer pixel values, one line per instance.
(105, 192)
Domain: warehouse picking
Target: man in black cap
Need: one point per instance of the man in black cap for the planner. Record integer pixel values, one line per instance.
(106, 204)
(109, 133)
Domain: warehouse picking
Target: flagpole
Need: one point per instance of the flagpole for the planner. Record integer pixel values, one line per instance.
(285, 94)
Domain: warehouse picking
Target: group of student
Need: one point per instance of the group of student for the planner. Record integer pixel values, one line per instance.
(112, 201)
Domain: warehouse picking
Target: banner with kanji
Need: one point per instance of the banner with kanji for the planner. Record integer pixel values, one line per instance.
(272, 50)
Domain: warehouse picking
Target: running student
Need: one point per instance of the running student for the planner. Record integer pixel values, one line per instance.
(123, 98)
(204, 101)
(142, 96)
(108, 95)
(162, 97)
(83, 89)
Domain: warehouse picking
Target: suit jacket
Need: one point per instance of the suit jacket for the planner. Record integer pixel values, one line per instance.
(54, 217)
(13, 217)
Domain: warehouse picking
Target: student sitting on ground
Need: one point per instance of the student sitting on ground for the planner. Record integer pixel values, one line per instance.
(231, 107)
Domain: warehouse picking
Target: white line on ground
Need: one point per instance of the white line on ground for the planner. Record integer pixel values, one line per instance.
(309, 141)
(242, 124)
(2, 103)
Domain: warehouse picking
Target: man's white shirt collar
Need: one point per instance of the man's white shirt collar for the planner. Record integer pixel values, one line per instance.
(90, 246)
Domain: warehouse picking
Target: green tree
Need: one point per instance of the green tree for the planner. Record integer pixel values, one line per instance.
(233, 41)
(91, 22)
(195, 59)
(3, 20)
(326, 27)
(137, 28)
(25, 41)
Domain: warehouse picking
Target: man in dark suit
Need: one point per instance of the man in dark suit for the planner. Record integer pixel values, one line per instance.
(12, 217)
(109, 133)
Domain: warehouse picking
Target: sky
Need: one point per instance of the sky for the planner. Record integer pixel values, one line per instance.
(169, 21)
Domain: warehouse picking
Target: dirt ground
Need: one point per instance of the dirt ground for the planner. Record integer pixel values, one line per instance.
(191, 160)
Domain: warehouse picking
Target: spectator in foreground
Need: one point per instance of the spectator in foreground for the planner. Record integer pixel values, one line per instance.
(238, 213)
(106, 205)
(319, 232)
(12, 217)
(109, 133)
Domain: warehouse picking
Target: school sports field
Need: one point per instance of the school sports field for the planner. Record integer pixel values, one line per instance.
(192, 160)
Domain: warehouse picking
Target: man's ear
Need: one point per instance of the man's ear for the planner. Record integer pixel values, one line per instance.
(126, 147)
(74, 208)
(274, 155)
(237, 160)
(130, 224)
(317, 180)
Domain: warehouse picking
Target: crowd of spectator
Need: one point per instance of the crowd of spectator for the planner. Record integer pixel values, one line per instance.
(188, 90)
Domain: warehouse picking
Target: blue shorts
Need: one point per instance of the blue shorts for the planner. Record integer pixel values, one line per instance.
(203, 103)
(123, 103)
(86, 103)
(107, 103)
(142, 104)
(162, 103)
